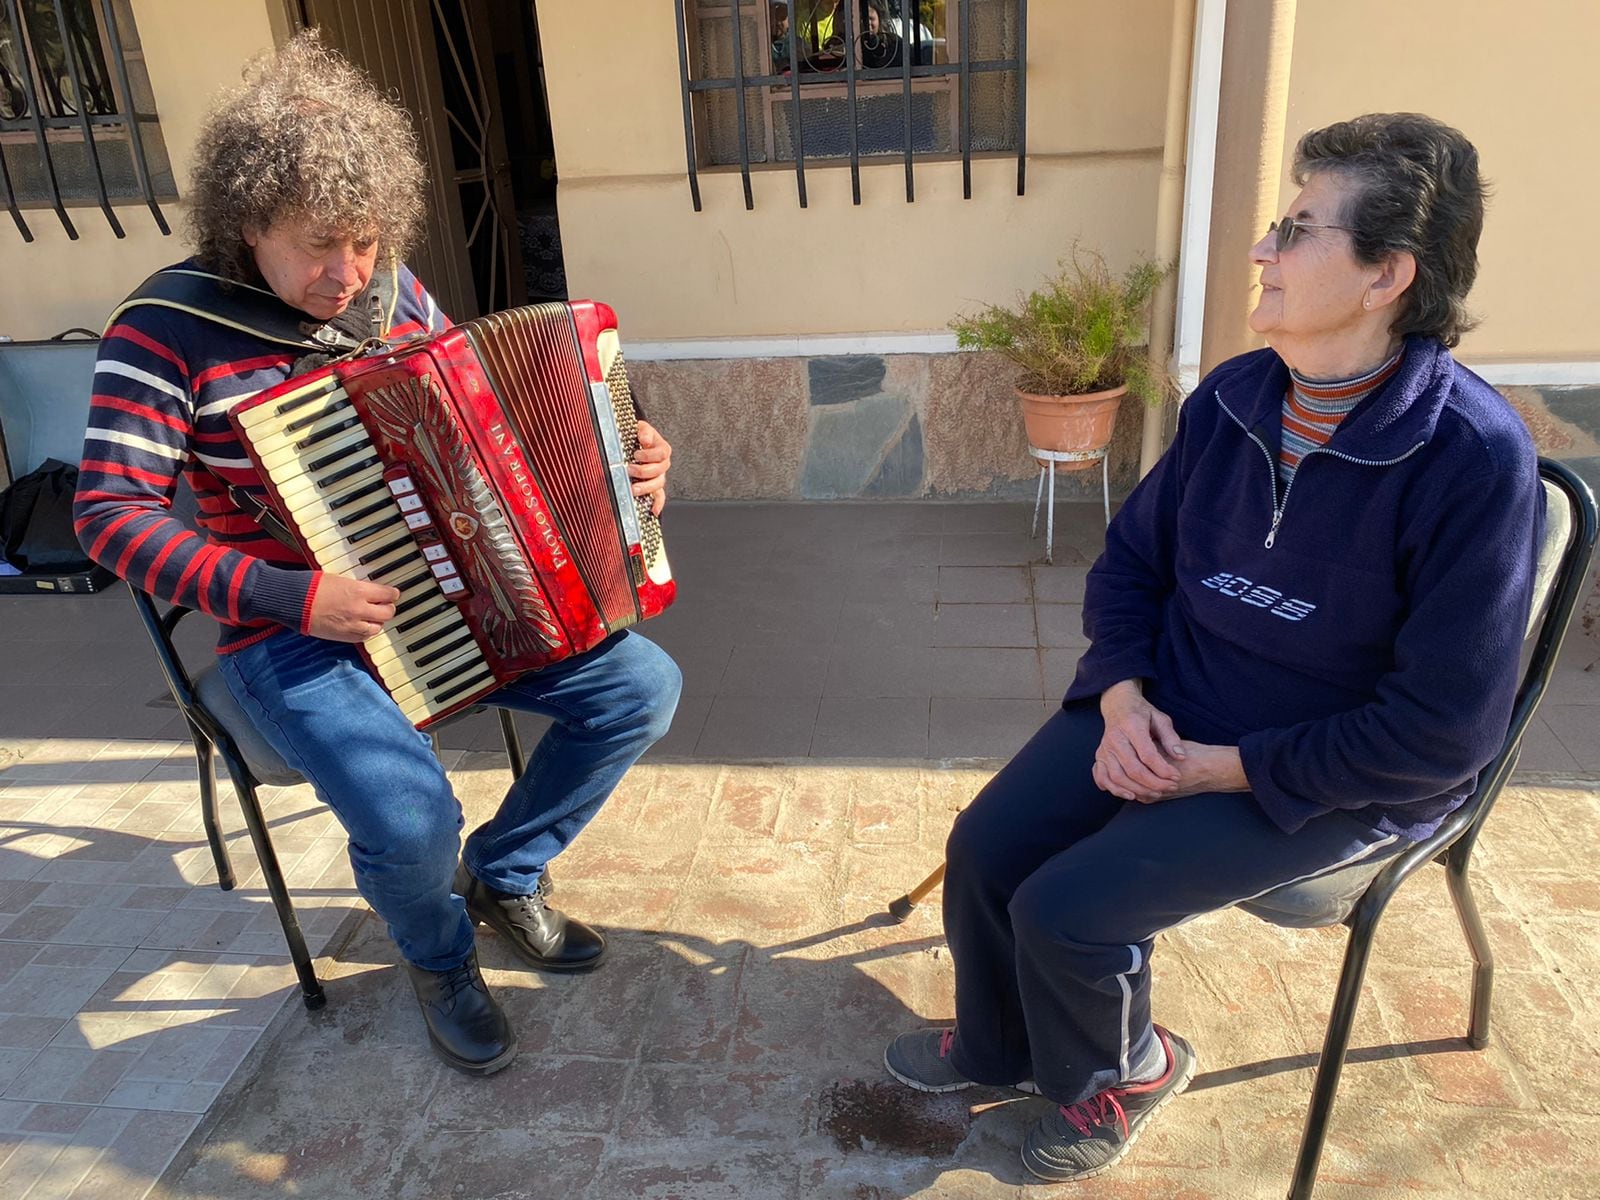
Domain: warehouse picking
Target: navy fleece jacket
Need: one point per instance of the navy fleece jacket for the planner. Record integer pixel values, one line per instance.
(1355, 635)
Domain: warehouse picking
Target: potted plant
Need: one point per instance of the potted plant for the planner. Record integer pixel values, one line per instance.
(1080, 340)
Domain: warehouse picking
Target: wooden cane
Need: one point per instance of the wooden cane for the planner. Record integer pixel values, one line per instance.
(902, 908)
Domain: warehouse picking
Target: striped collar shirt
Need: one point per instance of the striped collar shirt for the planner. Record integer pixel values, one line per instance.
(1313, 408)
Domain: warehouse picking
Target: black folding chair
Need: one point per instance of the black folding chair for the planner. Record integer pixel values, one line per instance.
(1357, 896)
(217, 723)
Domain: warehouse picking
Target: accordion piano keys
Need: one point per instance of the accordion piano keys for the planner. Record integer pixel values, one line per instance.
(488, 462)
(353, 526)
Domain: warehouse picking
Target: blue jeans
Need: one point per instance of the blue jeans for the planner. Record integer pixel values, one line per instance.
(318, 706)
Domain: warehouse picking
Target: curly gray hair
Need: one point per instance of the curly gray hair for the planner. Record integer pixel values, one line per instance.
(306, 137)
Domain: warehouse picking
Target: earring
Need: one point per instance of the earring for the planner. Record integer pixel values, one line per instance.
(1367, 303)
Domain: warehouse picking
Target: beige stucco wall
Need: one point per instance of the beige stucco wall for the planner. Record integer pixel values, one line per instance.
(1520, 81)
(1096, 90)
(192, 48)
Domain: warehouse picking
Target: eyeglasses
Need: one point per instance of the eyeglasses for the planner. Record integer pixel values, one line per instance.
(1288, 227)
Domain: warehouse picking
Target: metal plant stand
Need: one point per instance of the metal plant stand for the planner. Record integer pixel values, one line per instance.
(1047, 467)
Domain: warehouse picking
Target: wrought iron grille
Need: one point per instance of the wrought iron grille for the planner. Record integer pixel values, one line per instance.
(77, 117)
(761, 83)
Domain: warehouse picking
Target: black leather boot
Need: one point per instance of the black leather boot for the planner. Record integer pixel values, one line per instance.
(465, 1024)
(542, 936)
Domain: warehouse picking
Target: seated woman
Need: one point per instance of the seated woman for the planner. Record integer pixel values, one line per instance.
(1304, 635)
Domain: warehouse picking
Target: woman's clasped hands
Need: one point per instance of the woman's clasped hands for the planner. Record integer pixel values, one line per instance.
(1141, 757)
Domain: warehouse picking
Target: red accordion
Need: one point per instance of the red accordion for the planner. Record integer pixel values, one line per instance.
(483, 473)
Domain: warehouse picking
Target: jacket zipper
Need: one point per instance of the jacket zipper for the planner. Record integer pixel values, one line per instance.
(1272, 468)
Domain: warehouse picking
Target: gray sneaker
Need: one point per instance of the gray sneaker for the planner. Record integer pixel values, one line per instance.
(1077, 1141)
(921, 1060)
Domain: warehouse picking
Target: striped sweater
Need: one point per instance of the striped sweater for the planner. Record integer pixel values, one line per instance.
(163, 386)
(1313, 408)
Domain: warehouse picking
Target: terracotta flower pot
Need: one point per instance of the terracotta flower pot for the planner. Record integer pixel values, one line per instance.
(1071, 423)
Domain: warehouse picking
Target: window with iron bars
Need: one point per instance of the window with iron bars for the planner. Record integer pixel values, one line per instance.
(822, 82)
(78, 123)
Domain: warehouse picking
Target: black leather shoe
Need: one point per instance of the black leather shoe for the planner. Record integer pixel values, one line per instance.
(465, 1024)
(542, 936)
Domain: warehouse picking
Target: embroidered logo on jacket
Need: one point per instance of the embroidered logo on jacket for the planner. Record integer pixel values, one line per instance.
(1259, 596)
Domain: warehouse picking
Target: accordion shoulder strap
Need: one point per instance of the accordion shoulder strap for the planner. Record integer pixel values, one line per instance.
(257, 311)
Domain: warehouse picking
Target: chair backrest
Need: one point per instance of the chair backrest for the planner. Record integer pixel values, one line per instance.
(1562, 570)
(1562, 574)
(205, 701)
(44, 400)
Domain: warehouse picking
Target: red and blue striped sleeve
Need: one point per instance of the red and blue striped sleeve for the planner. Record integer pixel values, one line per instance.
(140, 438)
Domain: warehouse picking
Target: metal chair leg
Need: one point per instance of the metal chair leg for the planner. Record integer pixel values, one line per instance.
(254, 820)
(513, 740)
(1457, 859)
(1335, 1043)
(226, 879)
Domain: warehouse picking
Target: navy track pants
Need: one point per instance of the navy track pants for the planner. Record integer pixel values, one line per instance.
(1055, 891)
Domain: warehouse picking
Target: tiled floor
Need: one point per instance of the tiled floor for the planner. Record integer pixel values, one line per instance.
(855, 645)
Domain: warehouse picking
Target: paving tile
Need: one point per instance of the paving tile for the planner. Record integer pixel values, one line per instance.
(758, 727)
(73, 1076)
(1577, 726)
(676, 1101)
(137, 1156)
(13, 1063)
(1062, 625)
(1060, 582)
(875, 549)
(43, 990)
(758, 670)
(986, 673)
(901, 623)
(164, 1097)
(17, 894)
(696, 1003)
(1060, 666)
(1544, 753)
(82, 926)
(886, 727)
(20, 1031)
(983, 585)
(745, 804)
(581, 1093)
(24, 854)
(790, 624)
(989, 549)
(966, 727)
(716, 1170)
(986, 625)
(878, 671)
(985, 517)
(892, 583)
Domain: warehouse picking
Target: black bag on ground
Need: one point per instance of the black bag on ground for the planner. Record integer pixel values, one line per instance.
(36, 533)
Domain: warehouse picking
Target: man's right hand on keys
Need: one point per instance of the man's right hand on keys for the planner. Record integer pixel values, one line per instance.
(350, 610)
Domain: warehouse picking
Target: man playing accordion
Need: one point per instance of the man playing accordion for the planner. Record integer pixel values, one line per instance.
(306, 190)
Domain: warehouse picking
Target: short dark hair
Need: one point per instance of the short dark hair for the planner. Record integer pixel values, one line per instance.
(1416, 188)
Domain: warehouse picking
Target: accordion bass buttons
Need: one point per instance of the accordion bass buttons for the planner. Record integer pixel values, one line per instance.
(425, 531)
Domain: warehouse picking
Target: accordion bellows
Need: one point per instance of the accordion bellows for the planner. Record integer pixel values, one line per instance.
(483, 473)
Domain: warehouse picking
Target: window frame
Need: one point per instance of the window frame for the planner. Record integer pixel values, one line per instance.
(93, 131)
(787, 88)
